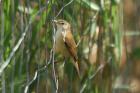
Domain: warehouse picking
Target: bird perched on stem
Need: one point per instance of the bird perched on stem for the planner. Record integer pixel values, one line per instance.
(65, 43)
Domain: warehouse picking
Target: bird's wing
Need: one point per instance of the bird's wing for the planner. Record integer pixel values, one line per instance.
(71, 45)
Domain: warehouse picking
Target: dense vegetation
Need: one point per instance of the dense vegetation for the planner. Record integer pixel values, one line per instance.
(28, 62)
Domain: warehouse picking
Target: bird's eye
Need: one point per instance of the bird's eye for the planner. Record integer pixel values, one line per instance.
(62, 23)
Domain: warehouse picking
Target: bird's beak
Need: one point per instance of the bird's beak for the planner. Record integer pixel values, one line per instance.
(55, 23)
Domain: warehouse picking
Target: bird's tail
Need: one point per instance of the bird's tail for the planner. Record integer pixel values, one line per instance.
(77, 67)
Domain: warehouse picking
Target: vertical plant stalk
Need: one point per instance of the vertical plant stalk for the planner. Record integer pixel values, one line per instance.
(12, 43)
(53, 54)
(3, 84)
(100, 53)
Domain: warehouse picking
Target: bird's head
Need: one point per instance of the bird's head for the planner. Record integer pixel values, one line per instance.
(61, 24)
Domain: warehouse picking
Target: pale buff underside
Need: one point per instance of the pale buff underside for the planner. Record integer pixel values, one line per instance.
(60, 45)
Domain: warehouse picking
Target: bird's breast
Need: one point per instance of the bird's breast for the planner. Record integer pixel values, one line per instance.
(60, 45)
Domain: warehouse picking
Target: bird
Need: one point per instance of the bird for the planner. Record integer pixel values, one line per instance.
(65, 43)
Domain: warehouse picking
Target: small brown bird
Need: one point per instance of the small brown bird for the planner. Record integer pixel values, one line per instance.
(65, 43)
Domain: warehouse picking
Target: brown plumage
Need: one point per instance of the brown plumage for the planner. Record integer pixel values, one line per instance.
(65, 43)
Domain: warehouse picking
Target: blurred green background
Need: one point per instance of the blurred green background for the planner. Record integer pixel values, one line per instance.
(109, 51)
